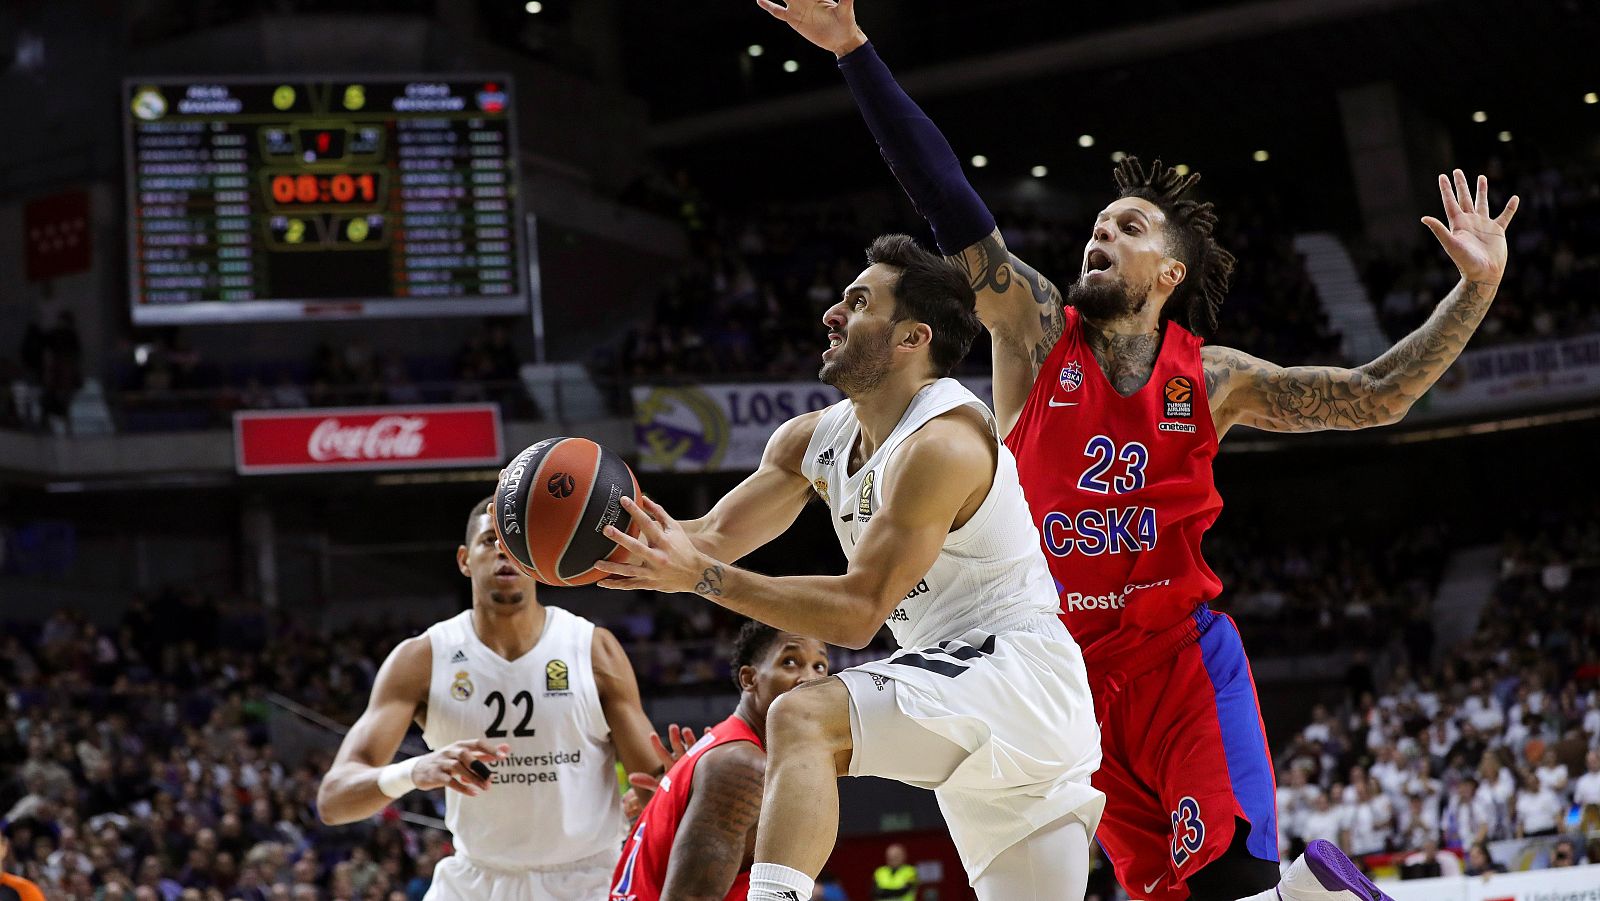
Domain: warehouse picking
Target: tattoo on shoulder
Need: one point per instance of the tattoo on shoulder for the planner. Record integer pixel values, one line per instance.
(727, 808)
(988, 264)
(1052, 321)
(710, 583)
(991, 267)
(1219, 364)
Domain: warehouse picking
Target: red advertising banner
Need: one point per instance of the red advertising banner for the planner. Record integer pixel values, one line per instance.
(57, 228)
(361, 438)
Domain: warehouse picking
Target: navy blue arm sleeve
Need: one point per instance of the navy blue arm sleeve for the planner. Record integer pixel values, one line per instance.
(917, 153)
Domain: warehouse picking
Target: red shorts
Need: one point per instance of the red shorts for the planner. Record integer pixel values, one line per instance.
(1185, 757)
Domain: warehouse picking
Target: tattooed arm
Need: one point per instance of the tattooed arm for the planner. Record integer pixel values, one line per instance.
(1245, 390)
(717, 836)
(942, 474)
(1022, 311)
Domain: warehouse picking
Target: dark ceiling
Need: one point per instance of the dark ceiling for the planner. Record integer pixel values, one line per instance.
(1527, 63)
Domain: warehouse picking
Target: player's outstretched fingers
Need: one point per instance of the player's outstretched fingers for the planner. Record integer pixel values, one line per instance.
(682, 738)
(1439, 229)
(657, 512)
(1463, 191)
(778, 12)
(1451, 208)
(629, 543)
(1504, 219)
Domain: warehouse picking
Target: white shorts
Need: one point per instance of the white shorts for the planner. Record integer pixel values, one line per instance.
(1001, 727)
(458, 879)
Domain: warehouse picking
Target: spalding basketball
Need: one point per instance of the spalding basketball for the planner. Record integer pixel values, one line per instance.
(553, 504)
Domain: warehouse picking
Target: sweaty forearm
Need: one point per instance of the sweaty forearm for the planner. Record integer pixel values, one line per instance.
(1406, 371)
(830, 608)
(918, 154)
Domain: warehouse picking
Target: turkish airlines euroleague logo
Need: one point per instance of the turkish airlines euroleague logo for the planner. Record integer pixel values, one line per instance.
(1179, 393)
(561, 485)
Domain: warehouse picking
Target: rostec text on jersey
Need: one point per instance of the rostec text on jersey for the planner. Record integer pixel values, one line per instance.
(1116, 600)
(1115, 530)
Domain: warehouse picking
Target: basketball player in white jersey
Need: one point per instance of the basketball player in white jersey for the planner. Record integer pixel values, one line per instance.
(527, 709)
(987, 703)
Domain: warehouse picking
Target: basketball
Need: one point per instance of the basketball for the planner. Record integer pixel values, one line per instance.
(553, 504)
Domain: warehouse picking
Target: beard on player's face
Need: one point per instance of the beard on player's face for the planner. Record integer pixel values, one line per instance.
(1105, 299)
(862, 363)
(506, 598)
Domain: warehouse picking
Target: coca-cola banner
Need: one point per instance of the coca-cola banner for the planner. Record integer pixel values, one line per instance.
(357, 438)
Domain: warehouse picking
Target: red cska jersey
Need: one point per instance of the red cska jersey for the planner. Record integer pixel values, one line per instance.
(1121, 489)
(642, 871)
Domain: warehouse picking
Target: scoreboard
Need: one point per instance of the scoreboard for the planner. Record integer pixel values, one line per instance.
(254, 199)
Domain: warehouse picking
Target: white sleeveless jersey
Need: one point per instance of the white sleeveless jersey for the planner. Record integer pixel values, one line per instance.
(989, 575)
(554, 800)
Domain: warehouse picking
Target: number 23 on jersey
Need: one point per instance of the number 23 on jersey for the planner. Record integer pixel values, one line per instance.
(1113, 470)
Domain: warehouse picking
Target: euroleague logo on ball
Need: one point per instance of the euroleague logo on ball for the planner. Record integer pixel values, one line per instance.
(561, 485)
(1179, 393)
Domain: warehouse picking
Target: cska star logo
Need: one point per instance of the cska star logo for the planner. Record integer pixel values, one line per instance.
(1071, 376)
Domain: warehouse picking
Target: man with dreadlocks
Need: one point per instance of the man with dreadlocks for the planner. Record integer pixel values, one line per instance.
(1113, 406)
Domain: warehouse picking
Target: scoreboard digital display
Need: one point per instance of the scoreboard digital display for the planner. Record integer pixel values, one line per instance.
(254, 199)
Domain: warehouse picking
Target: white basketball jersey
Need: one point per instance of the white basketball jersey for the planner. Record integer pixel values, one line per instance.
(989, 575)
(554, 800)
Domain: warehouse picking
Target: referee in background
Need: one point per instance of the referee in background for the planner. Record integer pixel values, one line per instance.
(896, 880)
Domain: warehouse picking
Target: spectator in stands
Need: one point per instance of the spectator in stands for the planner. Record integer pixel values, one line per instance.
(1469, 815)
(1565, 854)
(14, 886)
(1538, 808)
(1480, 863)
(1586, 794)
(1431, 862)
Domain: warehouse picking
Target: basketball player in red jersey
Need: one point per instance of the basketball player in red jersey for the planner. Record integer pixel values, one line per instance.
(1113, 406)
(696, 838)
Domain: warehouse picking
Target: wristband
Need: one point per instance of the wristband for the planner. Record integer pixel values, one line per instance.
(394, 780)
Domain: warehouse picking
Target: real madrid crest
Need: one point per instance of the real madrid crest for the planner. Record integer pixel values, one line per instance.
(461, 688)
(821, 485)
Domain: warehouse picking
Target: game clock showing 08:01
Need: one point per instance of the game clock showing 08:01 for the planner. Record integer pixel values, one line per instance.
(267, 199)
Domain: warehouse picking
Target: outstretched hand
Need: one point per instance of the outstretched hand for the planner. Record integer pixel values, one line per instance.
(1475, 242)
(663, 556)
(830, 24)
(644, 784)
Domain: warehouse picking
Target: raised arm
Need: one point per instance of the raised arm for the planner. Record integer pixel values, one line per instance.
(361, 781)
(941, 474)
(718, 832)
(1249, 391)
(1020, 308)
(766, 503)
(618, 688)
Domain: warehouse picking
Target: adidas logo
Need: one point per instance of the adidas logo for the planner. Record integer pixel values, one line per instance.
(825, 458)
(792, 896)
(460, 657)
